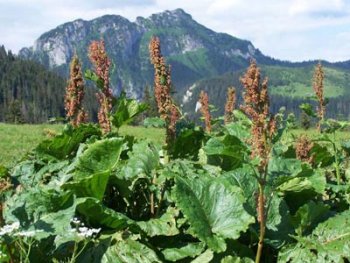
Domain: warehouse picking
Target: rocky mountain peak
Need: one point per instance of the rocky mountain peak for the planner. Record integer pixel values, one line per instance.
(193, 50)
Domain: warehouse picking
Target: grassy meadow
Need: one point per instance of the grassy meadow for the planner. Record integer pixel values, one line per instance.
(17, 140)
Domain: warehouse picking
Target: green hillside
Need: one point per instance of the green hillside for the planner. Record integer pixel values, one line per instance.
(288, 87)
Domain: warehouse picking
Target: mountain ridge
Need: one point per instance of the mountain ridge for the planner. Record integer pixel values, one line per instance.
(189, 46)
(195, 53)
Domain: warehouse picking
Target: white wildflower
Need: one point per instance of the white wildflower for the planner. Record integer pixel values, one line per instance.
(198, 106)
(88, 232)
(29, 233)
(76, 221)
(7, 229)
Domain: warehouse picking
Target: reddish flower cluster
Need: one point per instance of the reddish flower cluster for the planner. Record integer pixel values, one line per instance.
(4, 186)
(318, 88)
(303, 148)
(257, 107)
(204, 101)
(162, 87)
(75, 94)
(102, 63)
(230, 105)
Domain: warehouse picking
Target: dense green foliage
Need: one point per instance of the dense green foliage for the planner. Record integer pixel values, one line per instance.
(116, 198)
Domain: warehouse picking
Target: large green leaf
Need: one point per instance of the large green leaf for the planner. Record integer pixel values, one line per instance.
(143, 159)
(129, 250)
(187, 144)
(329, 242)
(98, 214)
(163, 226)
(214, 209)
(100, 156)
(66, 144)
(227, 152)
(31, 204)
(238, 130)
(244, 178)
(142, 162)
(308, 216)
(190, 250)
(92, 185)
(315, 183)
(278, 221)
(94, 167)
(126, 110)
(53, 224)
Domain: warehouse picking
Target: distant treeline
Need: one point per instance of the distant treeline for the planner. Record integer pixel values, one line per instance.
(29, 93)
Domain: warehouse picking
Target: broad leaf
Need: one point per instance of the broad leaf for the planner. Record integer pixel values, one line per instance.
(308, 216)
(227, 152)
(94, 166)
(191, 250)
(163, 226)
(100, 156)
(126, 110)
(65, 145)
(98, 214)
(329, 242)
(187, 144)
(214, 209)
(130, 251)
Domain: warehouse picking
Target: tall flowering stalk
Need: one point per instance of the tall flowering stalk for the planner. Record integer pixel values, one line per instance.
(102, 63)
(75, 94)
(230, 105)
(303, 148)
(318, 89)
(204, 108)
(162, 87)
(257, 107)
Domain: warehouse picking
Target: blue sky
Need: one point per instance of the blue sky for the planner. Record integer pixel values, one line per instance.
(285, 29)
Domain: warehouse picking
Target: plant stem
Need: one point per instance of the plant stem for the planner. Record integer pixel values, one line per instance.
(336, 164)
(152, 197)
(10, 253)
(261, 216)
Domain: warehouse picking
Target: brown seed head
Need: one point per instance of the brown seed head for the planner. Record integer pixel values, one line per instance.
(230, 105)
(75, 93)
(257, 107)
(162, 88)
(98, 57)
(303, 148)
(318, 89)
(204, 101)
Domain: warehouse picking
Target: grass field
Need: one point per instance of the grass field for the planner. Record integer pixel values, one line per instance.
(17, 140)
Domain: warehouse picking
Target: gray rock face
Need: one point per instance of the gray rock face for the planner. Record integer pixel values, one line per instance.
(194, 51)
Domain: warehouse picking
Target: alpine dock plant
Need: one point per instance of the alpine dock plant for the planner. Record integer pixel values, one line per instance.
(102, 63)
(75, 94)
(162, 89)
(230, 105)
(204, 108)
(318, 89)
(303, 148)
(257, 107)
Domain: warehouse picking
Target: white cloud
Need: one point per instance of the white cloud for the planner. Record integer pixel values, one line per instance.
(287, 29)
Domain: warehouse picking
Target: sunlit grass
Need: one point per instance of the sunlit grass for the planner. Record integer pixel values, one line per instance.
(17, 140)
